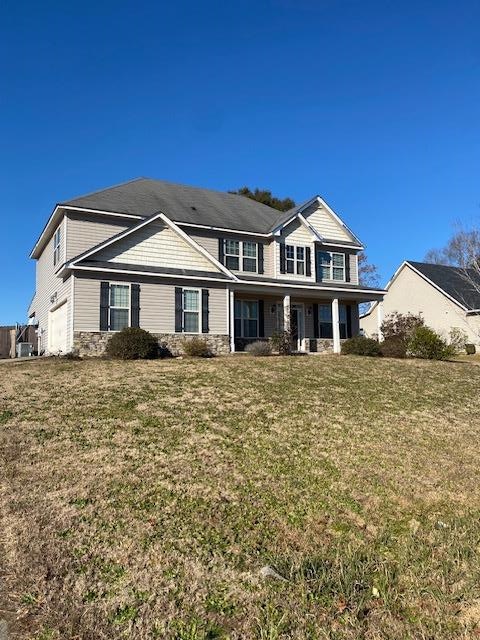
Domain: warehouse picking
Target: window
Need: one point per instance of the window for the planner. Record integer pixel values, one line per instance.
(332, 266)
(325, 324)
(191, 310)
(295, 259)
(241, 256)
(119, 309)
(246, 318)
(57, 240)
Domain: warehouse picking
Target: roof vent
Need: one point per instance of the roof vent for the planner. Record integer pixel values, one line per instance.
(193, 208)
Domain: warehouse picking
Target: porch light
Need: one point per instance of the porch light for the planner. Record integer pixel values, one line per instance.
(273, 308)
(309, 310)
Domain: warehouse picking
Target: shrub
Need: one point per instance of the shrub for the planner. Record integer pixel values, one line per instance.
(393, 347)
(259, 348)
(132, 343)
(401, 326)
(361, 346)
(282, 342)
(426, 343)
(458, 339)
(197, 347)
(470, 349)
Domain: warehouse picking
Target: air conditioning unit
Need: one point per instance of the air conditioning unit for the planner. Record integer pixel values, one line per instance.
(24, 349)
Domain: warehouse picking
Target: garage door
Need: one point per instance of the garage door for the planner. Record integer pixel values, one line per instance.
(57, 330)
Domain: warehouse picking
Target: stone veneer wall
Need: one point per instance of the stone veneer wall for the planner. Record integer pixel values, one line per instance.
(93, 343)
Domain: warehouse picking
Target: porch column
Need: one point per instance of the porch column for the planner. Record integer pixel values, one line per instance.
(286, 313)
(231, 319)
(380, 320)
(335, 326)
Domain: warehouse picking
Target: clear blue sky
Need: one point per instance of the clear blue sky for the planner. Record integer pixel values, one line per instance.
(373, 105)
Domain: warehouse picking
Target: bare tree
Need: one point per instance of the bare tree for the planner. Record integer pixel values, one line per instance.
(367, 273)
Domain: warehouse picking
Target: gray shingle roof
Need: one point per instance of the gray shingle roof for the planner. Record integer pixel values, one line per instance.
(453, 281)
(181, 203)
(118, 266)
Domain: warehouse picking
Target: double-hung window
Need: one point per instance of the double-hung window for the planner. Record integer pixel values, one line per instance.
(57, 243)
(332, 266)
(119, 308)
(295, 259)
(325, 323)
(241, 255)
(246, 318)
(191, 310)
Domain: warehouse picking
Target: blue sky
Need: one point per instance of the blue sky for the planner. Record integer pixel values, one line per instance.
(373, 105)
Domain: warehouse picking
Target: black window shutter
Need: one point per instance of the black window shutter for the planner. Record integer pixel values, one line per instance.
(260, 257)
(347, 267)
(205, 328)
(315, 320)
(221, 250)
(261, 319)
(135, 305)
(104, 304)
(308, 261)
(349, 321)
(178, 309)
(282, 258)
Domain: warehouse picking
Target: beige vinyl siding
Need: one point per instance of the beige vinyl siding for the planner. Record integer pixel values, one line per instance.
(209, 241)
(326, 224)
(157, 304)
(410, 293)
(296, 234)
(353, 267)
(156, 244)
(85, 231)
(47, 285)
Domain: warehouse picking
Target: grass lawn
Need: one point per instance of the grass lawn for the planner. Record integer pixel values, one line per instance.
(140, 500)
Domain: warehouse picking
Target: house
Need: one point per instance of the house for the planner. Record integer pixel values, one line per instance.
(180, 261)
(445, 297)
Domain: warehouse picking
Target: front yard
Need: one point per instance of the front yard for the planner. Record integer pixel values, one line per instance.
(141, 500)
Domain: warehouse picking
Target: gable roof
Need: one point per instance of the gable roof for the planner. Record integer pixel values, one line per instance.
(182, 203)
(453, 281)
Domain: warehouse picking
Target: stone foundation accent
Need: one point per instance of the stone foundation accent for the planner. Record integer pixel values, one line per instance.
(93, 343)
(319, 345)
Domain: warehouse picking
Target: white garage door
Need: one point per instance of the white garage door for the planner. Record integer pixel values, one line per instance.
(57, 330)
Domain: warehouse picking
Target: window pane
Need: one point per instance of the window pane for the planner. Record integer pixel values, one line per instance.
(301, 268)
(342, 313)
(250, 309)
(325, 258)
(300, 253)
(290, 266)
(250, 249)
(190, 322)
(119, 295)
(338, 259)
(232, 246)
(326, 330)
(238, 328)
(343, 331)
(325, 273)
(118, 319)
(250, 264)
(190, 300)
(232, 263)
(289, 252)
(250, 328)
(337, 273)
(325, 312)
(238, 308)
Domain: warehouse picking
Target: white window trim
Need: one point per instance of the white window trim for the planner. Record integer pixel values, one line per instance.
(200, 312)
(331, 265)
(241, 318)
(123, 284)
(240, 254)
(296, 260)
(57, 247)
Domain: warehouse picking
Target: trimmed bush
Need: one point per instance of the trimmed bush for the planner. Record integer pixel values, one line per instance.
(361, 346)
(470, 349)
(393, 347)
(197, 347)
(259, 348)
(132, 343)
(282, 342)
(426, 343)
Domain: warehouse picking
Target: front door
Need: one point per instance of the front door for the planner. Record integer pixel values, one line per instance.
(297, 326)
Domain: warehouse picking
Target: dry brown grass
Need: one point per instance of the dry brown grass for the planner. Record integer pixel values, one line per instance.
(140, 500)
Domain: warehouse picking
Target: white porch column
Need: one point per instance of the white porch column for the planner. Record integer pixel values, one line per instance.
(380, 314)
(336, 326)
(231, 319)
(286, 313)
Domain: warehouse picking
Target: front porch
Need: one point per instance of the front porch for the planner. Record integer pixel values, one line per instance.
(315, 323)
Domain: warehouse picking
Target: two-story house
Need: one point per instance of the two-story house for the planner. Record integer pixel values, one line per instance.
(180, 261)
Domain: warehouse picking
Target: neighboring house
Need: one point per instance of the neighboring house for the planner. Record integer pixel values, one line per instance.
(180, 261)
(443, 296)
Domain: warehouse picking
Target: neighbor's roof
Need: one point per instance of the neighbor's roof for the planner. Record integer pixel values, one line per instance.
(182, 203)
(454, 281)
